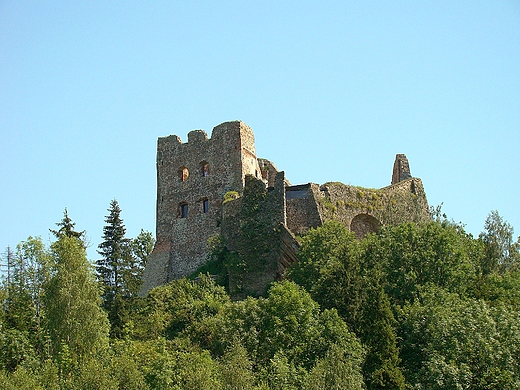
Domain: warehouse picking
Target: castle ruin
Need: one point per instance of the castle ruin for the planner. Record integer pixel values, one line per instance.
(218, 186)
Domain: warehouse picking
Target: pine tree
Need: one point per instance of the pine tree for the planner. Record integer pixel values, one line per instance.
(117, 259)
(66, 228)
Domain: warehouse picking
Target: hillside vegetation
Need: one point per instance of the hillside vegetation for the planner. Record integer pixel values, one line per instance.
(412, 307)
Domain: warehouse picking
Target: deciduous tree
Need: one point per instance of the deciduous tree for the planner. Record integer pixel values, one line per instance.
(75, 320)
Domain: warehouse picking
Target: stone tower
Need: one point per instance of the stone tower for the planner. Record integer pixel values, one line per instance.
(192, 179)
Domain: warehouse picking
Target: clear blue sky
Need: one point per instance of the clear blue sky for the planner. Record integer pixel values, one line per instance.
(333, 90)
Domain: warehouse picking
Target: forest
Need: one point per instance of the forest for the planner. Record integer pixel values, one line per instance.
(413, 306)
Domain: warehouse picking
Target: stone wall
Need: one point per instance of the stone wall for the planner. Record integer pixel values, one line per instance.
(192, 179)
(401, 169)
(302, 208)
(254, 228)
(363, 210)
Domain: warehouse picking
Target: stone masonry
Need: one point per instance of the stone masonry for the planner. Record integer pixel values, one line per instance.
(193, 178)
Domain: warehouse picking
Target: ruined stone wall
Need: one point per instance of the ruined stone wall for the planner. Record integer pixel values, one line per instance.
(254, 228)
(364, 210)
(302, 208)
(269, 172)
(249, 159)
(192, 178)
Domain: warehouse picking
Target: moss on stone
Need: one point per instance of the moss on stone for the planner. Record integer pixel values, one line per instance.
(230, 195)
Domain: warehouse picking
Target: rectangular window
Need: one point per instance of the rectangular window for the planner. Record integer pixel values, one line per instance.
(184, 210)
(205, 206)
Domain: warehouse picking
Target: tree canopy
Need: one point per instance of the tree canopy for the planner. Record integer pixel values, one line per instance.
(414, 306)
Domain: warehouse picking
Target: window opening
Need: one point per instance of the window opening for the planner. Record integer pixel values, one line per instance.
(183, 210)
(183, 173)
(205, 205)
(204, 168)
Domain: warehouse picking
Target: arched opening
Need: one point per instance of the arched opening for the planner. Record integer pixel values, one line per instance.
(362, 224)
(204, 168)
(183, 173)
(183, 210)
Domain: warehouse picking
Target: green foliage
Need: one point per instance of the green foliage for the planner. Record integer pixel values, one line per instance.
(237, 368)
(163, 364)
(72, 302)
(452, 343)
(132, 274)
(219, 260)
(284, 334)
(179, 307)
(328, 205)
(29, 269)
(15, 348)
(335, 370)
(411, 256)
(289, 321)
(36, 376)
(230, 195)
(414, 306)
(500, 253)
(319, 252)
(363, 279)
(281, 374)
(91, 374)
(66, 228)
(120, 268)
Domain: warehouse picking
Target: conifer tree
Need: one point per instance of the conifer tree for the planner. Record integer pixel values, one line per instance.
(66, 228)
(111, 268)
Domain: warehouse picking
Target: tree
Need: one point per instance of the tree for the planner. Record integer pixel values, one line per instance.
(141, 247)
(29, 270)
(179, 308)
(376, 331)
(411, 255)
(335, 371)
(66, 228)
(76, 323)
(459, 343)
(236, 368)
(319, 252)
(116, 261)
(500, 251)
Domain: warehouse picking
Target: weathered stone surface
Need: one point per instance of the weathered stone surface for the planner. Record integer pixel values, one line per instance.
(193, 179)
(401, 169)
(255, 228)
